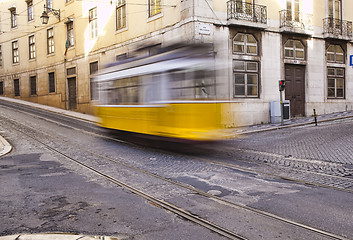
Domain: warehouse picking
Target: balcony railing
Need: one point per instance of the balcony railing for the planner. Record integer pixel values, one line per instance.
(296, 20)
(246, 11)
(337, 28)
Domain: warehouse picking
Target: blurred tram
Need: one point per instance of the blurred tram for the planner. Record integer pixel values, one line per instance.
(170, 95)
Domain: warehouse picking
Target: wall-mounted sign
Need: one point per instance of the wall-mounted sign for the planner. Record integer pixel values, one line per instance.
(351, 60)
(204, 29)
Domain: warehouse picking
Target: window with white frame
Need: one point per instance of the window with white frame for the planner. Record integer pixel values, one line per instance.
(30, 10)
(93, 23)
(245, 44)
(32, 47)
(70, 33)
(246, 79)
(50, 40)
(15, 52)
(245, 7)
(335, 54)
(294, 49)
(120, 14)
(293, 10)
(335, 82)
(335, 9)
(13, 17)
(154, 7)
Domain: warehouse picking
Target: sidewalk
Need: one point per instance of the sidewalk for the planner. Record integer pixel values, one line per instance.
(294, 123)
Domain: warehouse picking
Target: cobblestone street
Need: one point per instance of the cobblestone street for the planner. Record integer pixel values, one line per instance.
(272, 183)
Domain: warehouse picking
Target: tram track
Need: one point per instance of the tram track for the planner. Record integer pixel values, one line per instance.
(160, 202)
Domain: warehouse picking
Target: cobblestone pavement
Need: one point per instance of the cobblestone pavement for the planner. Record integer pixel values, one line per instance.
(326, 143)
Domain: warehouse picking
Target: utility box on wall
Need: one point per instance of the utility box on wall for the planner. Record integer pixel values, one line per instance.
(276, 111)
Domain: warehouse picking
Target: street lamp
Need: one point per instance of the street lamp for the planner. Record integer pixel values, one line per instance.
(45, 17)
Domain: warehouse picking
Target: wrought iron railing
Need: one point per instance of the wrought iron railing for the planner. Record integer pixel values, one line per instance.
(296, 20)
(246, 11)
(338, 28)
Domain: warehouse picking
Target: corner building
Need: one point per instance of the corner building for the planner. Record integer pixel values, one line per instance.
(256, 43)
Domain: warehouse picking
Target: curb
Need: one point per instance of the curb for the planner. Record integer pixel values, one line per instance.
(72, 114)
(5, 146)
(56, 236)
(245, 132)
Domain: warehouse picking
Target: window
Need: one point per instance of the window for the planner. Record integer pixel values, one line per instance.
(16, 85)
(70, 34)
(71, 71)
(189, 84)
(13, 17)
(154, 7)
(335, 54)
(335, 9)
(244, 44)
(246, 79)
(93, 23)
(51, 82)
(121, 57)
(244, 6)
(49, 3)
(32, 47)
(33, 85)
(30, 10)
(93, 68)
(335, 82)
(50, 40)
(1, 88)
(120, 14)
(294, 49)
(293, 10)
(0, 56)
(15, 56)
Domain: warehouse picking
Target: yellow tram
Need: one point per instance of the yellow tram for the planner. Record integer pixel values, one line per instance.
(171, 95)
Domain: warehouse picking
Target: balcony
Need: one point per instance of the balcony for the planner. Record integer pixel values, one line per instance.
(296, 22)
(246, 14)
(337, 29)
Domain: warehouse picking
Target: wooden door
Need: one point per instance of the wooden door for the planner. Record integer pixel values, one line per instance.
(295, 89)
(72, 93)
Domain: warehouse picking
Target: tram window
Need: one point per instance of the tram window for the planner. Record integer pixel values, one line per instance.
(177, 78)
(192, 84)
(152, 88)
(204, 84)
(122, 91)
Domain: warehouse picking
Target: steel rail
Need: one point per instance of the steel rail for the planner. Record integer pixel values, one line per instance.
(157, 202)
(173, 208)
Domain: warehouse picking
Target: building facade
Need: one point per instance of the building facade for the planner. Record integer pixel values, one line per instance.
(308, 43)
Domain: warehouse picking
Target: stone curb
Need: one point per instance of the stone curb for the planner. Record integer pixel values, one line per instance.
(55, 236)
(78, 115)
(249, 131)
(5, 147)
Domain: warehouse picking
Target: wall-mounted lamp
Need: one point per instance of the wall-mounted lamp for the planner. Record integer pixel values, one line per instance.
(45, 17)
